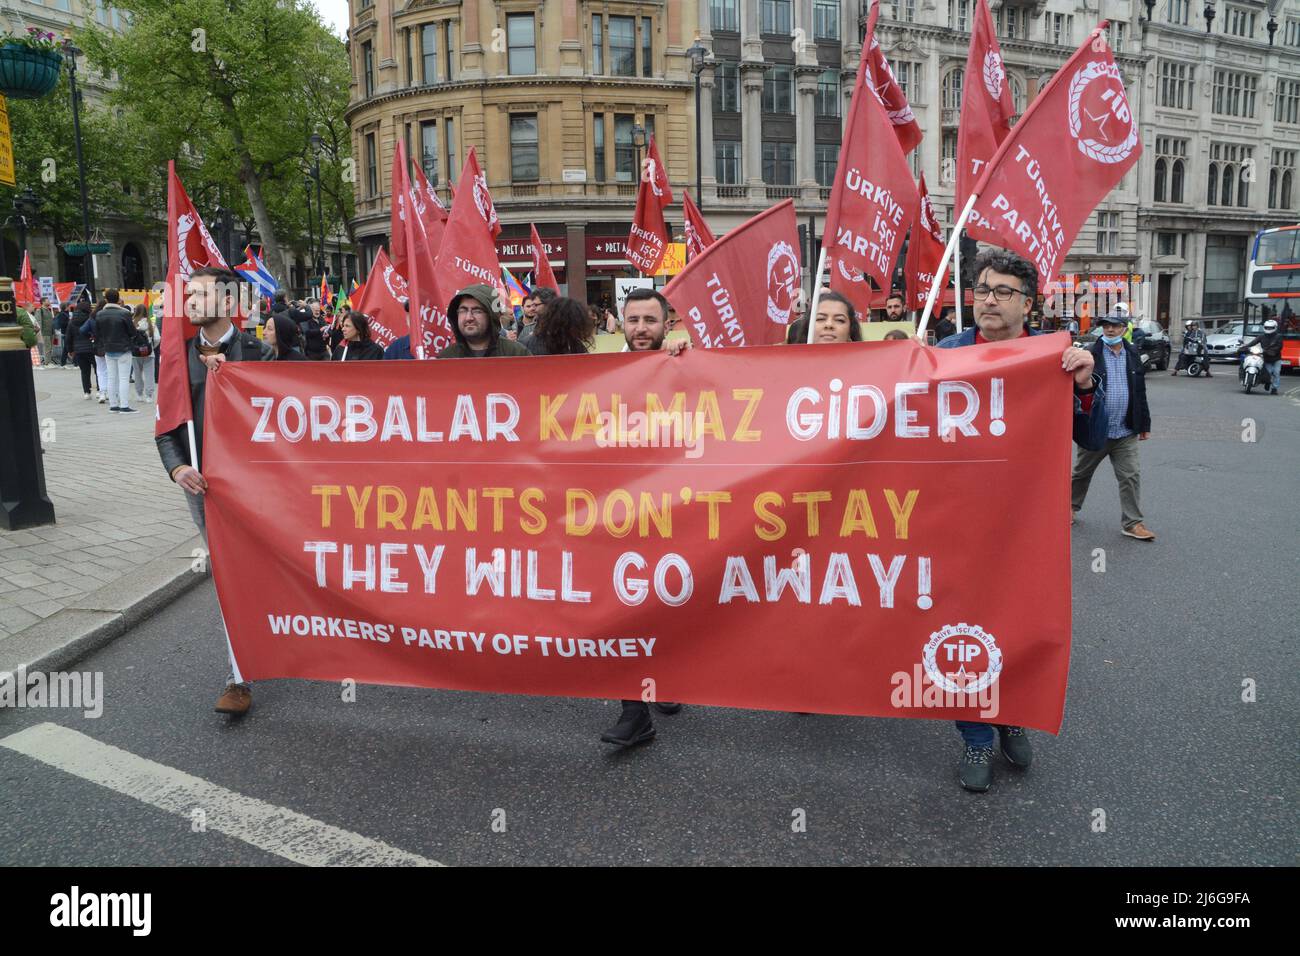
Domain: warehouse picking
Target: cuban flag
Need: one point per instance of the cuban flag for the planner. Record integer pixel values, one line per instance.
(256, 272)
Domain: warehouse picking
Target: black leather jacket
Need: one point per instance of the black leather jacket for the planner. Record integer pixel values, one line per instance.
(113, 329)
(174, 446)
(1270, 342)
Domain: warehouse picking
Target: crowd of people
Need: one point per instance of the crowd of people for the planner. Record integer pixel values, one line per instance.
(1109, 404)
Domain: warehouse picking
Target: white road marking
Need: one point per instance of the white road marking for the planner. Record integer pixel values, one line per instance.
(277, 830)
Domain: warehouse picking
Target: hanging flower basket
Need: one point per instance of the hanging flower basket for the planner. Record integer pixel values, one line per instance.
(27, 73)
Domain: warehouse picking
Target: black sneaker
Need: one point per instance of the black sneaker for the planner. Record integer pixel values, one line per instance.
(666, 707)
(1015, 746)
(634, 727)
(976, 769)
(114, 408)
(133, 411)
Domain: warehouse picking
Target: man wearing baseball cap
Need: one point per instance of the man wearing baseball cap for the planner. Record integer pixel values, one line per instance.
(475, 314)
(1128, 421)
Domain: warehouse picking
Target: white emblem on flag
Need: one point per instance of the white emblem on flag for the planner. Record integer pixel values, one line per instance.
(994, 74)
(782, 282)
(1094, 106)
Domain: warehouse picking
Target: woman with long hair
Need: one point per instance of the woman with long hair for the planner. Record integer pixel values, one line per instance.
(355, 346)
(836, 321)
(564, 328)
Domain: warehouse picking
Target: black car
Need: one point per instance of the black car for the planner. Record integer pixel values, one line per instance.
(1152, 342)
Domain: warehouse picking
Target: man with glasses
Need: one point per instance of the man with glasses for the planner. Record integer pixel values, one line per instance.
(475, 313)
(1004, 295)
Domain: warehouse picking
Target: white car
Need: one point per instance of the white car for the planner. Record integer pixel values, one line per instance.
(1223, 346)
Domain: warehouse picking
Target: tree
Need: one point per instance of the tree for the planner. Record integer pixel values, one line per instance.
(231, 89)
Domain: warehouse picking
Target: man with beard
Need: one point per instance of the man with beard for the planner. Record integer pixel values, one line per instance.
(645, 323)
(476, 313)
(1004, 295)
(211, 297)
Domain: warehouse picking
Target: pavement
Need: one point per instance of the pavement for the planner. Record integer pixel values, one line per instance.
(122, 544)
(1177, 747)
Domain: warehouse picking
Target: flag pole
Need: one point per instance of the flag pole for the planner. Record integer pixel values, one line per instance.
(817, 293)
(938, 272)
(956, 282)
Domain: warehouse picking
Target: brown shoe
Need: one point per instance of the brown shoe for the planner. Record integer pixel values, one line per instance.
(235, 700)
(1140, 531)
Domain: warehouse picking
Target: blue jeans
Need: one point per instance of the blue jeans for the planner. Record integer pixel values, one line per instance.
(1274, 374)
(977, 734)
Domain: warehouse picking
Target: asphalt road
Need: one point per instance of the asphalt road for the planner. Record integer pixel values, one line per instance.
(1156, 733)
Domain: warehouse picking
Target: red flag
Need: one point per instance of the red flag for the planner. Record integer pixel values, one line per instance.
(543, 276)
(742, 290)
(873, 199)
(414, 259)
(901, 117)
(381, 300)
(1071, 147)
(698, 235)
(469, 254)
(852, 284)
(924, 252)
(25, 288)
(986, 111)
(189, 247)
(648, 241)
(432, 213)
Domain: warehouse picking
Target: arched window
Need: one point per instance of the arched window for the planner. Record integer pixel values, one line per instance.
(1229, 177)
(1286, 191)
(1017, 92)
(1160, 180)
(952, 82)
(1176, 181)
(1212, 196)
(1243, 188)
(1272, 188)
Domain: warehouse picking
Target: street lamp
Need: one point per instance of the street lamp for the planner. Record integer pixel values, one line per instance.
(311, 229)
(26, 205)
(320, 208)
(70, 53)
(697, 52)
(638, 141)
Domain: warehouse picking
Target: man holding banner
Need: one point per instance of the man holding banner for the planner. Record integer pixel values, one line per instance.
(1005, 291)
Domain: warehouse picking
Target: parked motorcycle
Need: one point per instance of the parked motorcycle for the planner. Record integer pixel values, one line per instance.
(1253, 371)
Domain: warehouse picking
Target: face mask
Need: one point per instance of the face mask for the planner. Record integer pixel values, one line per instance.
(1112, 339)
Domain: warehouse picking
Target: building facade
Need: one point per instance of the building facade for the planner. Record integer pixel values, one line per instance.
(551, 94)
(138, 256)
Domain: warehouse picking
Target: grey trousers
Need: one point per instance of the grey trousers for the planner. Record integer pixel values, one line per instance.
(196, 512)
(1123, 454)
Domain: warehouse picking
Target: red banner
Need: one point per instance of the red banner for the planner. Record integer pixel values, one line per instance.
(543, 276)
(382, 299)
(698, 234)
(873, 198)
(528, 527)
(892, 97)
(742, 290)
(429, 208)
(1072, 146)
(415, 258)
(469, 252)
(924, 251)
(986, 111)
(189, 247)
(648, 240)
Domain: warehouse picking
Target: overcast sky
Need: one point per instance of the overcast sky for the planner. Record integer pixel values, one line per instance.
(335, 14)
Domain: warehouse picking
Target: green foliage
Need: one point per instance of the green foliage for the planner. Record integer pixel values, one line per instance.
(233, 90)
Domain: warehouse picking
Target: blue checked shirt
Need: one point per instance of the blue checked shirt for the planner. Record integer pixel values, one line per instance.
(1116, 393)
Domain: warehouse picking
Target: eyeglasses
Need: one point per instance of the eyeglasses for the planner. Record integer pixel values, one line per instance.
(1002, 293)
(470, 310)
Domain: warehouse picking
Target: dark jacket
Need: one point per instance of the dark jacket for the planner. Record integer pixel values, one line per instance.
(61, 322)
(313, 335)
(81, 330)
(399, 348)
(497, 346)
(1089, 426)
(114, 329)
(293, 355)
(943, 329)
(174, 446)
(359, 352)
(1270, 342)
(1138, 417)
